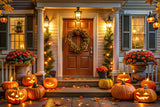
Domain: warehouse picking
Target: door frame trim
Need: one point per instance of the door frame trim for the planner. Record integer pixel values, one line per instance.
(62, 16)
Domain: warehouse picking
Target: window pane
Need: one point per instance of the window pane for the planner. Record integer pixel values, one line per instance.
(17, 31)
(138, 32)
(3, 26)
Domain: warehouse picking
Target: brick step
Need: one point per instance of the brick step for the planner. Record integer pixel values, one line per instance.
(76, 92)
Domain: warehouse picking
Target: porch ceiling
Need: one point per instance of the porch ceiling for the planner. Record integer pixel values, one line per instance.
(81, 3)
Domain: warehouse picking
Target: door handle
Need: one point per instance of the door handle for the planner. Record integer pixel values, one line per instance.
(91, 51)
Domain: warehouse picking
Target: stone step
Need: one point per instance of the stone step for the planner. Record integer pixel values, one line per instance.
(76, 92)
(78, 82)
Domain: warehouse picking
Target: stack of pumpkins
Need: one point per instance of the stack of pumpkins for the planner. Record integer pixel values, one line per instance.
(123, 90)
(32, 90)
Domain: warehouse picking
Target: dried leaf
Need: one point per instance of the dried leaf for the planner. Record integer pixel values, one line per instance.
(114, 103)
(80, 96)
(149, 1)
(57, 103)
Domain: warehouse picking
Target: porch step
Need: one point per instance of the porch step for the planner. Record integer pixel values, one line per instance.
(91, 82)
(76, 92)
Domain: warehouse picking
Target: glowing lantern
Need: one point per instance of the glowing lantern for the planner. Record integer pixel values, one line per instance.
(3, 19)
(46, 22)
(125, 77)
(150, 18)
(145, 95)
(9, 84)
(109, 22)
(78, 14)
(29, 80)
(156, 24)
(50, 83)
(16, 96)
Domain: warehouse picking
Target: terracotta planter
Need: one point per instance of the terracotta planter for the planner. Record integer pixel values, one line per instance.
(22, 70)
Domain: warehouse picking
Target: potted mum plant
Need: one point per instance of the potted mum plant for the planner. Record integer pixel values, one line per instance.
(138, 61)
(102, 71)
(22, 59)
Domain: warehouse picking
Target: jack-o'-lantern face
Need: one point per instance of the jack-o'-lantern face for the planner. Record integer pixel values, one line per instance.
(125, 77)
(15, 96)
(29, 80)
(145, 95)
(50, 83)
(142, 96)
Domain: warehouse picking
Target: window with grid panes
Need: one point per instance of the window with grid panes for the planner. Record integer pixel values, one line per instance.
(138, 32)
(17, 39)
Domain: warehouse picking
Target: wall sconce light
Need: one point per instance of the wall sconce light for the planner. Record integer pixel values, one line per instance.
(156, 24)
(150, 18)
(3, 19)
(109, 22)
(46, 22)
(78, 14)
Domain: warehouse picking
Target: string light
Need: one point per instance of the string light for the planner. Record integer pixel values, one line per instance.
(107, 54)
(45, 52)
(49, 58)
(46, 63)
(111, 47)
(50, 43)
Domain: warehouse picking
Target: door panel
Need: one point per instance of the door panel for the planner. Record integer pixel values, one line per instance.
(77, 64)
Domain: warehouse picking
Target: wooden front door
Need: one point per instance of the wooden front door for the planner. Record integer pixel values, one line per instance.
(77, 64)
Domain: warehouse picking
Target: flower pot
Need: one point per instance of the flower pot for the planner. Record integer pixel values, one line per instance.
(21, 70)
(139, 67)
(102, 74)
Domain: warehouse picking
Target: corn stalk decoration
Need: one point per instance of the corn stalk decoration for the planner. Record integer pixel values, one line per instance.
(5, 5)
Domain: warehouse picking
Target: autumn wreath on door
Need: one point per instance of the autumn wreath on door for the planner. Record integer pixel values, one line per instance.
(85, 40)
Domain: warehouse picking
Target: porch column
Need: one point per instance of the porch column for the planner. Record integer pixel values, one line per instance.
(40, 49)
(115, 71)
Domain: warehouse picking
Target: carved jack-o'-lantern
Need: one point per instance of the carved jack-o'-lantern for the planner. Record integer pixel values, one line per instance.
(9, 84)
(145, 95)
(125, 77)
(16, 96)
(29, 80)
(50, 83)
(150, 84)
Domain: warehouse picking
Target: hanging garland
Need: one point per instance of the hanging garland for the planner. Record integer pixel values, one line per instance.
(85, 40)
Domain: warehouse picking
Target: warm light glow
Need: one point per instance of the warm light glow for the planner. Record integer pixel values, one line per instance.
(78, 14)
(50, 43)
(45, 52)
(3, 19)
(107, 54)
(133, 71)
(11, 79)
(21, 46)
(111, 63)
(46, 25)
(30, 102)
(156, 25)
(137, 39)
(124, 73)
(49, 58)
(150, 19)
(147, 79)
(111, 47)
(9, 105)
(12, 94)
(134, 31)
(109, 24)
(20, 93)
(45, 62)
(23, 104)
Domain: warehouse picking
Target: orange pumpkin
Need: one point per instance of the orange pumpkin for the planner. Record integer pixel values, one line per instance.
(35, 92)
(125, 77)
(123, 91)
(50, 83)
(16, 96)
(9, 84)
(150, 84)
(29, 80)
(145, 95)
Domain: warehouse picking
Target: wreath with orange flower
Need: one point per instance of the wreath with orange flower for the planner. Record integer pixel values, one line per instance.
(85, 40)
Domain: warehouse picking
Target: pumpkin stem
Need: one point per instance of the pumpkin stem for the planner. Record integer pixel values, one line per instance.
(17, 88)
(28, 72)
(105, 77)
(145, 86)
(123, 83)
(34, 85)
